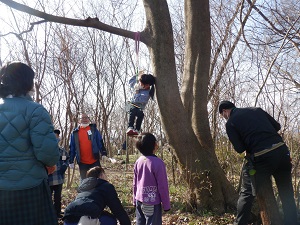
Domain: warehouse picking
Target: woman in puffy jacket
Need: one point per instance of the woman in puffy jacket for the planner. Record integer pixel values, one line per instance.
(27, 148)
(95, 193)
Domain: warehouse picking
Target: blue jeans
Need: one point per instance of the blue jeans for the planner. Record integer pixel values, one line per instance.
(139, 115)
(148, 214)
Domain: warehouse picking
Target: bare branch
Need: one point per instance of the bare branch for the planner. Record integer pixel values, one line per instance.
(26, 31)
(252, 4)
(88, 22)
(285, 41)
(229, 55)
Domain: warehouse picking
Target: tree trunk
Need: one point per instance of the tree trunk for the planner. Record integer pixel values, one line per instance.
(196, 68)
(186, 125)
(268, 206)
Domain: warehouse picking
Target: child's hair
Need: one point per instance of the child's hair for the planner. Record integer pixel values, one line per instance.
(95, 172)
(148, 79)
(16, 79)
(146, 143)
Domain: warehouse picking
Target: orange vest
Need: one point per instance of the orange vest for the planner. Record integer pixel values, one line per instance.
(85, 146)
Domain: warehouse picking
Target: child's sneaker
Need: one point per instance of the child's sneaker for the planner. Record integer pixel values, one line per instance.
(135, 132)
(130, 131)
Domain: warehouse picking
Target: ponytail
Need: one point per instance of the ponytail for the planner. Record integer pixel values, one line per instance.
(149, 79)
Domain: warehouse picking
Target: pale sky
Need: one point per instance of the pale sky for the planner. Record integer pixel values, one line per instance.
(16, 21)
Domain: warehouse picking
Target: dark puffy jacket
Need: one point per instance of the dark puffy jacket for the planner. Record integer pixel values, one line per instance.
(27, 142)
(94, 195)
(252, 130)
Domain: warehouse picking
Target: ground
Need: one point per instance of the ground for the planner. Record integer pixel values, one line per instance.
(120, 175)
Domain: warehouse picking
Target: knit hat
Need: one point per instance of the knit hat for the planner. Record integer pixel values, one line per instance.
(225, 105)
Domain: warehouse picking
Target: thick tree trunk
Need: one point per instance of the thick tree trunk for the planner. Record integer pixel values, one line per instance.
(187, 128)
(196, 68)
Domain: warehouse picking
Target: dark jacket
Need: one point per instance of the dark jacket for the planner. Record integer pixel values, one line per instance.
(94, 195)
(252, 130)
(97, 144)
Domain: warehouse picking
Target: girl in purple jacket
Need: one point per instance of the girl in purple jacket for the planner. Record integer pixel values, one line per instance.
(150, 183)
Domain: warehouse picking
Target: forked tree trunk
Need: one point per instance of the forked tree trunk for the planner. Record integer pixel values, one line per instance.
(187, 126)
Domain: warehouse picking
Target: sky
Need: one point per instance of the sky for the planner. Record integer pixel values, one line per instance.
(15, 21)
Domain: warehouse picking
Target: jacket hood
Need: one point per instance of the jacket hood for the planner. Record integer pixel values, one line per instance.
(90, 183)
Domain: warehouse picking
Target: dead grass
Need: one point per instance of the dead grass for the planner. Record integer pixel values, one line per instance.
(121, 175)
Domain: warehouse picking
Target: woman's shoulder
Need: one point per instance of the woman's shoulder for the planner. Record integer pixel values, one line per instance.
(23, 106)
(26, 101)
(106, 184)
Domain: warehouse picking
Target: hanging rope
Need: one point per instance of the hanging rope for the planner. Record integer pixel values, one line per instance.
(137, 37)
(137, 49)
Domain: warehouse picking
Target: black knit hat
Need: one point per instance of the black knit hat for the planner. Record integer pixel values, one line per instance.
(225, 105)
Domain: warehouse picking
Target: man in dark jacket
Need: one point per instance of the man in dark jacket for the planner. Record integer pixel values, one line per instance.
(255, 132)
(87, 145)
(95, 193)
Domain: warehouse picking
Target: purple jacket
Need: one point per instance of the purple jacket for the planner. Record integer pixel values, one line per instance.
(150, 182)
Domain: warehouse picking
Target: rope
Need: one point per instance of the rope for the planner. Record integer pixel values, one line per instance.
(137, 49)
(137, 37)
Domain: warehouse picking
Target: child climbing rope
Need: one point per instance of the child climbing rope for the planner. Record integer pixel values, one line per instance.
(143, 90)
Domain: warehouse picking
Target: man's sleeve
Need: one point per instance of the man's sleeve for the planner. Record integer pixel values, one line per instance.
(100, 143)
(72, 149)
(103, 149)
(235, 138)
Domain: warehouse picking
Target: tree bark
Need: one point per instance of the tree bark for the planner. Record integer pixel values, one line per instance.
(196, 68)
(269, 211)
(188, 128)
